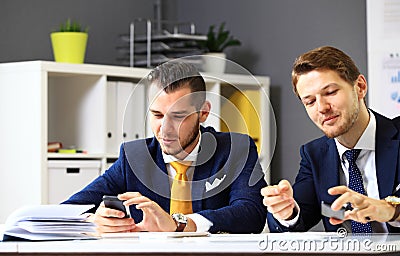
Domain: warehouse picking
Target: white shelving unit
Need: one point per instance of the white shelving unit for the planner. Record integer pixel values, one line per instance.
(44, 101)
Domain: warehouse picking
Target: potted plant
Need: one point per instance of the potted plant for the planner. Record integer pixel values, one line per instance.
(217, 41)
(69, 42)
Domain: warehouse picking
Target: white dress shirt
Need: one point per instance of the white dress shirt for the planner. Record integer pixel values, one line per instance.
(202, 223)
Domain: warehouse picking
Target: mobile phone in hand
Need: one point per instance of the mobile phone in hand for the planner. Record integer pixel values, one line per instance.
(327, 211)
(114, 203)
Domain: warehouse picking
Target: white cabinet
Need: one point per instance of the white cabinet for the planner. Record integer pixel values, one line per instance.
(69, 176)
(81, 105)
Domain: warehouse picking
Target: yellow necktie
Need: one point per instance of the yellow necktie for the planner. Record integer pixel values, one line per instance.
(181, 198)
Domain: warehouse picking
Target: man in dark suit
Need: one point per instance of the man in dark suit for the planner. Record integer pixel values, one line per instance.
(219, 168)
(355, 164)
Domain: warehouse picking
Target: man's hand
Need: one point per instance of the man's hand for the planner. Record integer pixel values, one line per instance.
(365, 209)
(111, 221)
(154, 217)
(279, 200)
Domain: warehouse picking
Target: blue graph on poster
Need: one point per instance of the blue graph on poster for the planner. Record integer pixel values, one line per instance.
(391, 86)
(396, 78)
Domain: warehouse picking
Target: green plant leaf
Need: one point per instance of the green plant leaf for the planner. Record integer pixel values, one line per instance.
(210, 38)
(230, 42)
(221, 40)
(72, 26)
(218, 41)
(68, 25)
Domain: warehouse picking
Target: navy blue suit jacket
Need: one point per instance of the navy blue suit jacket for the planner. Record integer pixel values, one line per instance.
(234, 206)
(319, 171)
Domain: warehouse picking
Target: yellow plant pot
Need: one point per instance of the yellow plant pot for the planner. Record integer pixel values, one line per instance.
(69, 47)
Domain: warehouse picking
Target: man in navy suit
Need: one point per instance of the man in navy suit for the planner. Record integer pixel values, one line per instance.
(224, 171)
(332, 90)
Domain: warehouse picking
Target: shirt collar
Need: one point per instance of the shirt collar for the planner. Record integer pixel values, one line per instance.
(367, 139)
(191, 157)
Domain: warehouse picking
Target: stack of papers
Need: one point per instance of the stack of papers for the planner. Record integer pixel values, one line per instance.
(49, 222)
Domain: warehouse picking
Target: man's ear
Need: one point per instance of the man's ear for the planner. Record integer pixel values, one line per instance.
(361, 87)
(204, 111)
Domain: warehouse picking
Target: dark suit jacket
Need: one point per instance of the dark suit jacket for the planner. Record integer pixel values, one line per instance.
(234, 206)
(319, 171)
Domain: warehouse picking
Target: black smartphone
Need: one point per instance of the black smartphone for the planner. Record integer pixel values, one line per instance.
(327, 211)
(114, 203)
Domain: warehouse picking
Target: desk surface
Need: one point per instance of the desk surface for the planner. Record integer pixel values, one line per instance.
(257, 244)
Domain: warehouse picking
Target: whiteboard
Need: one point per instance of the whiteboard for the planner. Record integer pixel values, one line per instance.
(383, 45)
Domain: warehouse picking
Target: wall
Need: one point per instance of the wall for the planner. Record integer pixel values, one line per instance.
(273, 34)
(26, 25)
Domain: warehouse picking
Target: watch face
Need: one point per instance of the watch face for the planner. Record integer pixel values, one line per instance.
(393, 199)
(179, 217)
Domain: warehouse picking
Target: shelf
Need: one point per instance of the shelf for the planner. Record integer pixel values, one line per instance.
(80, 156)
(165, 37)
(160, 47)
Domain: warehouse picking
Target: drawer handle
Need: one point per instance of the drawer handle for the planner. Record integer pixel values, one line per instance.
(73, 170)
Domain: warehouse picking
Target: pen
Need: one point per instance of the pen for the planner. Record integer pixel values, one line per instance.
(396, 190)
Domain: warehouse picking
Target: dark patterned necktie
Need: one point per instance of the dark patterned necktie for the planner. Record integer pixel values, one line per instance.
(356, 184)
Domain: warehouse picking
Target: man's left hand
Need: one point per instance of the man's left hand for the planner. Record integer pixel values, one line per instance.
(365, 209)
(154, 217)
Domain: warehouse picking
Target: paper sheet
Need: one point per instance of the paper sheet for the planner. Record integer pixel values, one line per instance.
(49, 222)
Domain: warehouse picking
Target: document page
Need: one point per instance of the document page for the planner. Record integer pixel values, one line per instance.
(49, 222)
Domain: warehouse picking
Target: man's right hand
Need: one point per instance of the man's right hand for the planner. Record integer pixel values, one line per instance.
(111, 221)
(279, 200)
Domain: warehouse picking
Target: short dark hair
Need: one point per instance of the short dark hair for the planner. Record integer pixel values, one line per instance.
(173, 75)
(324, 58)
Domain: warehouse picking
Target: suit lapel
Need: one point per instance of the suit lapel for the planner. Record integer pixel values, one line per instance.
(330, 170)
(203, 170)
(160, 180)
(387, 150)
(148, 166)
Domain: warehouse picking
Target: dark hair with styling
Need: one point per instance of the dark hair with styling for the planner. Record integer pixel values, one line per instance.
(173, 75)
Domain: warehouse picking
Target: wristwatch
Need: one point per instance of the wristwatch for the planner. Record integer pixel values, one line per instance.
(395, 202)
(180, 220)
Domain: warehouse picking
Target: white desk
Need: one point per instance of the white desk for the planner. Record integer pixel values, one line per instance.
(260, 244)
(9, 247)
